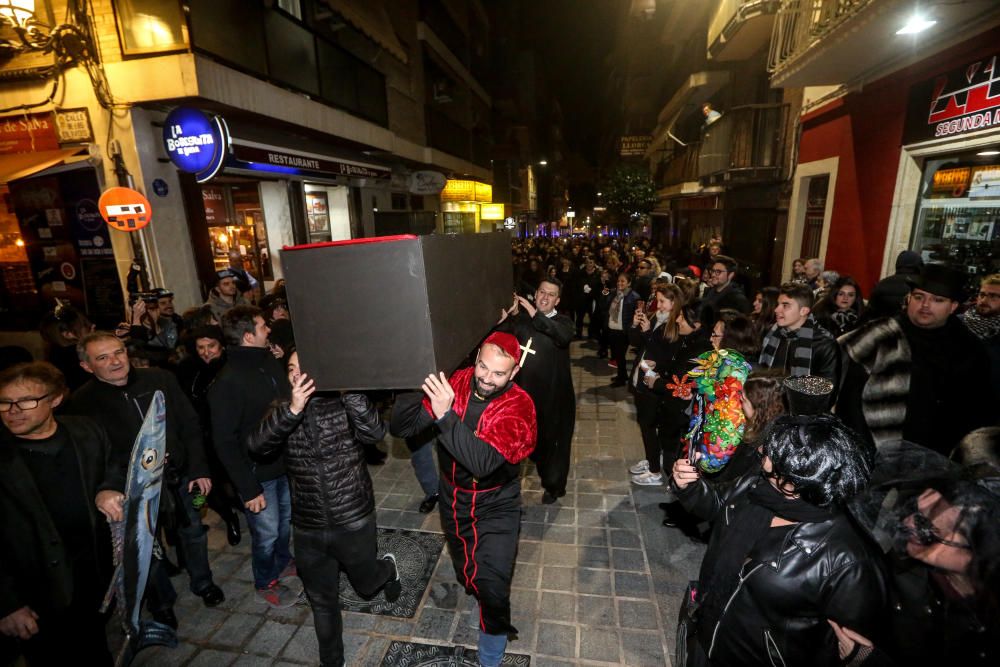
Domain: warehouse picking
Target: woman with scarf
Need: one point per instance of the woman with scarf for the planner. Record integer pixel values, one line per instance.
(840, 310)
(783, 556)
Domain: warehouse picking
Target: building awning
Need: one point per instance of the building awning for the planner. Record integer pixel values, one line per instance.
(23, 165)
(371, 18)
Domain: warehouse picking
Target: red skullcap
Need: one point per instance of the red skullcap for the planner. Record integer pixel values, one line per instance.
(506, 342)
(696, 271)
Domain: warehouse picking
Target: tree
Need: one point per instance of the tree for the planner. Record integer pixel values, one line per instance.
(629, 193)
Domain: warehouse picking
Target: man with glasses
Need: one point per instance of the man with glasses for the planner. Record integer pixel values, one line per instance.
(984, 321)
(56, 560)
(722, 292)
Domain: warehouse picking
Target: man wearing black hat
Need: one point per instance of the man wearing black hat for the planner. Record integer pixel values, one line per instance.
(889, 294)
(225, 294)
(920, 375)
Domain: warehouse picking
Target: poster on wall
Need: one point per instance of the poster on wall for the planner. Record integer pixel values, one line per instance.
(985, 183)
(70, 254)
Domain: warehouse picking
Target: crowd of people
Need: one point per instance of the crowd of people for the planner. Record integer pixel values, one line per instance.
(879, 497)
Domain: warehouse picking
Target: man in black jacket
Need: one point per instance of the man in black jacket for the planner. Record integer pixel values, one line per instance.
(722, 292)
(240, 397)
(118, 398)
(921, 375)
(588, 288)
(796, 342)
(56, 558)
(333, 508)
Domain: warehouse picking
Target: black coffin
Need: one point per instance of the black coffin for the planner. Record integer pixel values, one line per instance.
(382, 313)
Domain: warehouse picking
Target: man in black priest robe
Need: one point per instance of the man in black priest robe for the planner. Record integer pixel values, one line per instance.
(544, 336)
(485, 427)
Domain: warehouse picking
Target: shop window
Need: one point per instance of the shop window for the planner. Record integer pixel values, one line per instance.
(236, 228)
(958, 214)
(150, 26)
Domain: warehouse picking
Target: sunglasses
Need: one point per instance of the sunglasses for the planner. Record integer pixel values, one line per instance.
(924, 532)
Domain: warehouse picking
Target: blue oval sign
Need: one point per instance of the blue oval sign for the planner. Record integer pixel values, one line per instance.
(193, 141)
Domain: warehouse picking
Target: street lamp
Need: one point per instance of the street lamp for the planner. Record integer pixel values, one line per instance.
(542, 163)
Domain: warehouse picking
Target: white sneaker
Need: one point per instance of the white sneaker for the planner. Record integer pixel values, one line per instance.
(648, 479)
(640, 467)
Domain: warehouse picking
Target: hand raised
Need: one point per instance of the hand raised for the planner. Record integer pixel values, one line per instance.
(440, 394)
(303, 388)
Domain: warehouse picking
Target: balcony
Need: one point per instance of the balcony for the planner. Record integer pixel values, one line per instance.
(679, 168)
(832, 42)
(740, 28)
(746, 145)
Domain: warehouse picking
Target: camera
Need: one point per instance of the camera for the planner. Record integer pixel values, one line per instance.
(147, 297)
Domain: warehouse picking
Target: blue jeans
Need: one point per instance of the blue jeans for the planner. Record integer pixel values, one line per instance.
(271, 531)
(194, 543)
(491, 648)
(422, 460)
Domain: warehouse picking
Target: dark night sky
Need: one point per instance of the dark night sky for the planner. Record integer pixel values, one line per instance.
(574, 39)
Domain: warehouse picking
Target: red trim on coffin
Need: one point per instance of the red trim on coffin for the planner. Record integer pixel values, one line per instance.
(373, 239)
(508, 422)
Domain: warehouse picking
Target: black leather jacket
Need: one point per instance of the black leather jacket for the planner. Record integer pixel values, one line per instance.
(793, 580)
(324, 458)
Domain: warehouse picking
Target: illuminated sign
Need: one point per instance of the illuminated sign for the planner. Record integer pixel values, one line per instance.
(196, 143)
(491, 212)
(456, 190)
(964, 100)
(951, 182)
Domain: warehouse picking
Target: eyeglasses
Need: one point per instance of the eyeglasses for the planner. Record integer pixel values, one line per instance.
(924, 532)
(717, 272)
(23, 404)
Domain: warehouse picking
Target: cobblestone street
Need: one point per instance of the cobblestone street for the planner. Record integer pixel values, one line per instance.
(598, 579)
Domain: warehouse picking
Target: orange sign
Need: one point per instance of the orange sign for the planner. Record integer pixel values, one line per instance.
(125, 209)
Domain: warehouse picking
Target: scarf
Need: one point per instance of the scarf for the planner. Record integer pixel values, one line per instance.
(801, 362)
(739, 538)
(616, 307)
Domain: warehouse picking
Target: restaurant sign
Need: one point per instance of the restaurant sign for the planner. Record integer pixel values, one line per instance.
(261, 158)
(958, 102)
(196, 142)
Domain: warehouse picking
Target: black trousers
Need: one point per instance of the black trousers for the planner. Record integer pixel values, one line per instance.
(482, 529)
(618, 340)
(320, 555)
(553, 459)
(587, 309)
(661, 422)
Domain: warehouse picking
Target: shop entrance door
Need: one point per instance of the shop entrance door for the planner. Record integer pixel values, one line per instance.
(812, 231)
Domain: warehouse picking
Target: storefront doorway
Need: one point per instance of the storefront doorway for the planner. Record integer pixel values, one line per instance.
(237, 233)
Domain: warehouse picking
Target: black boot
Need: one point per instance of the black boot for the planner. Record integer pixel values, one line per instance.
(233, 532)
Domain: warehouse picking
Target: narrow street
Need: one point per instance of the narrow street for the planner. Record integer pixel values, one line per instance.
(598, 579)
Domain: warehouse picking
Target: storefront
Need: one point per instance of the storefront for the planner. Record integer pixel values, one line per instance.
(910, 162)
(53, 242)
(463, 204)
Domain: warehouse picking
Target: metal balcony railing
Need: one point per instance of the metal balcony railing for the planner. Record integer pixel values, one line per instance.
(680, 167)
(747, 144)
(802, 23)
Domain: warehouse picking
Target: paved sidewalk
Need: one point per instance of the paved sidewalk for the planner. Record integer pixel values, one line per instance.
(598, 579)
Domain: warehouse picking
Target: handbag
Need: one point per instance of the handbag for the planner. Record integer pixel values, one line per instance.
(687, 624)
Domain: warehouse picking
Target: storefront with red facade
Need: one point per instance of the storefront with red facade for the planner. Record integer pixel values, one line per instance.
(911, 161)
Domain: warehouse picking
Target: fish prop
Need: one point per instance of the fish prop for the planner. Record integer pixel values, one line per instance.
(717, 419)
(133, 538)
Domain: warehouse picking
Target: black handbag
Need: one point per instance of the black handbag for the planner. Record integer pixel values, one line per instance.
(687, 625)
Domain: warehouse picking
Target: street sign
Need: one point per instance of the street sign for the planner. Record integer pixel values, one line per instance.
(125, 209)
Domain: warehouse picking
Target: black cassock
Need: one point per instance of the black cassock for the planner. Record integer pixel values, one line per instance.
(545, 375)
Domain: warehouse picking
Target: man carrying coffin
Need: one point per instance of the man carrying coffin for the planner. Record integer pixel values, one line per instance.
(544, 336)
(485, 427)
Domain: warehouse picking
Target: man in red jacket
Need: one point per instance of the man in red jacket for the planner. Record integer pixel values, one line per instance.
(485, 427)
